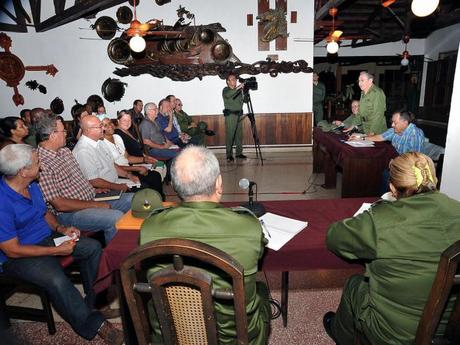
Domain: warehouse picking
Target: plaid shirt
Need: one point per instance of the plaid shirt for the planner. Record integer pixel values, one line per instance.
(61, 177)
(411, 139)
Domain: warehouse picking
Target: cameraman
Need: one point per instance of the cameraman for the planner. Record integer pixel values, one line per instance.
(233, 103)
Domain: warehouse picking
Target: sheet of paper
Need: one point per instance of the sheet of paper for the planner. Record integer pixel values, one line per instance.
(145, 165)
(279, 230)
(360, 143)
(364, 207)
(128, 182)
(60, 240)
(173, 147)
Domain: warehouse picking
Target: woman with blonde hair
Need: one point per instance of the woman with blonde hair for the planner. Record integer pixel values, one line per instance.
(400, 242)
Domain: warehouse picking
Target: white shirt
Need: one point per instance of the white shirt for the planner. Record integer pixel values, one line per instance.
(95, 159)
(117, 150)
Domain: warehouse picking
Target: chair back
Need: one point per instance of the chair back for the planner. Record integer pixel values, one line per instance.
(183, 295)
(446, 279)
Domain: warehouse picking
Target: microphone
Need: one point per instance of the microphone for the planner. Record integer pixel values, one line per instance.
(257, 208)
(245, 183)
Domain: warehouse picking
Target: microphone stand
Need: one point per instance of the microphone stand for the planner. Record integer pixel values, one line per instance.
(255, 207)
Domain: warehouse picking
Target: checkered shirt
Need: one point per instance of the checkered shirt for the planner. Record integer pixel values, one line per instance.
(60, 176)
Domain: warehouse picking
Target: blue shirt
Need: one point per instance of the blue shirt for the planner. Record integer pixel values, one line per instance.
(22, 217)
(163, 122)
(411, 139)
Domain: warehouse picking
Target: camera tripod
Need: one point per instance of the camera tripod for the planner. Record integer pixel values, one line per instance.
(252, 120)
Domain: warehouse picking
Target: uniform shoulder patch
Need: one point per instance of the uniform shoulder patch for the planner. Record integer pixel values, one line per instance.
(158, 211)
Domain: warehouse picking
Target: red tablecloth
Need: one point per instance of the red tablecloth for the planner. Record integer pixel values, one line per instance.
(333, 144)
(306, 251)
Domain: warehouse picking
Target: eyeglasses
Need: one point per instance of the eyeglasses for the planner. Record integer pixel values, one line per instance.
(96, 127)
(179, 104)
(63, 131)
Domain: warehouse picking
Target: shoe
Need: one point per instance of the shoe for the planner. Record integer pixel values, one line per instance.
(327, 323)
(110, 334)
(209, 133)
(109, 313)
(230, 159)
(241, 156)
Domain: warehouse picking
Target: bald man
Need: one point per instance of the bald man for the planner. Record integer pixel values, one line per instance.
(197, 180)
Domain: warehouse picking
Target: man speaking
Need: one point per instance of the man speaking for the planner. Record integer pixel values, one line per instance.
(233, 103)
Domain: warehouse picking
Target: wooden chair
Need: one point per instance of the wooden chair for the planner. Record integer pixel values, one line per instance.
(183, 295)
(11, 285)
(445, 280)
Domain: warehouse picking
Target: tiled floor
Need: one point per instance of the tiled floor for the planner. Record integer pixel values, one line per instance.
(283, 176)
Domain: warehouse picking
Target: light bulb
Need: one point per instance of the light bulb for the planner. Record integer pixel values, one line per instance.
(332, 47)
(137, 43)
(423, 8)
(404, 62)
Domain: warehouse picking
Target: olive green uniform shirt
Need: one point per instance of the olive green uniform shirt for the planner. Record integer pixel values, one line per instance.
(239, 235)
(197, 133)
(234, 105)
(319, 93)
(372, 106)
(401, 242)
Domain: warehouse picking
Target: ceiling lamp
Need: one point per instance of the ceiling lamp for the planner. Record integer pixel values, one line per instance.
(137, 42)
(332, 47)
(423, 8)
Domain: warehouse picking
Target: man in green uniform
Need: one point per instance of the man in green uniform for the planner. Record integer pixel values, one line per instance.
(372, 105)
(352, 121)
(196, 130)
(401, 243)
(319, 93)
(233, 104)
(196, 178)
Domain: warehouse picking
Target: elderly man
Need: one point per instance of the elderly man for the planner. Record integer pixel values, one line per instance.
(352, 121)
(27, 249)
(152, 135)
(36, 114)
(196, 131)
(68, 193)
(404, 135)
(372, 105)
(197, 180)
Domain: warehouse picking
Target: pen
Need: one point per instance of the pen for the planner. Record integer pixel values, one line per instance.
(265, 228)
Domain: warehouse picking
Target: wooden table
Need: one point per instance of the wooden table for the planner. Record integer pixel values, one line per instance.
(306, 251)
(361, 167)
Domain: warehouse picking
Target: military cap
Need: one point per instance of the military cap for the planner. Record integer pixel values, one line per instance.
(144, 202)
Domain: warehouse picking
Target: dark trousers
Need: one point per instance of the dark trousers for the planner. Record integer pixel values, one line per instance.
(46, 272)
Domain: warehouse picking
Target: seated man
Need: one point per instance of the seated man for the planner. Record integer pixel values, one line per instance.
(27, 249)
(353, 121)
(196, 131)
(68, 193)
(197, 180)
(152, 135)
(404, 135)
(401, 243)
(165, 120)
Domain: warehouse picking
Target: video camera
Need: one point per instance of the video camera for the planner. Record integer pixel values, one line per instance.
(249, 83)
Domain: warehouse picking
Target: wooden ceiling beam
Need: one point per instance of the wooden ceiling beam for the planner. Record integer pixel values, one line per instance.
(324, 11)
(75, 12)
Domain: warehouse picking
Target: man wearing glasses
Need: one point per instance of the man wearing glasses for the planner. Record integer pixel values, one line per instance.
(69, 195)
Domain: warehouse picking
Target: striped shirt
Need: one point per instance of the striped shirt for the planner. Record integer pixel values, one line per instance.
(61, 177)
(411, 139)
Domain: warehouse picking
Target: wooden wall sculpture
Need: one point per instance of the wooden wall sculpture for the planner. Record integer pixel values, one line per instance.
(12, 69)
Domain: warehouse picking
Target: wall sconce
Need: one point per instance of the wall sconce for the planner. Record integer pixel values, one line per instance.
(423, 8)
(405, 58)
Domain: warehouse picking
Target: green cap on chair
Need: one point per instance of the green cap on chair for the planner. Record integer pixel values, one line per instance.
(144, 202)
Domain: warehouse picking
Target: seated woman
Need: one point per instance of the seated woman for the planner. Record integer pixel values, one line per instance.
(148, 178)
(401, 243)
(13, 128)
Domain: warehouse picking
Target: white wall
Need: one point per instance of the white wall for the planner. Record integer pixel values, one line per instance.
(451, 168)
(83, 64)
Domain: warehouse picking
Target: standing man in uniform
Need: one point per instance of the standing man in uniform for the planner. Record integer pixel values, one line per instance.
(233, 103)
(319, 93)
(197, 180)
(372, 105)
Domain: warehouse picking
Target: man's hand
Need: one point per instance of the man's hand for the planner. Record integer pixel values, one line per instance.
(122, 186)
(134, 178)
(167, 144)
(66, 248)
(337, 122)
(71, 231)
(103, 204)
(192, 125)
(142, 170)
(150, 160)
(346, 130)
